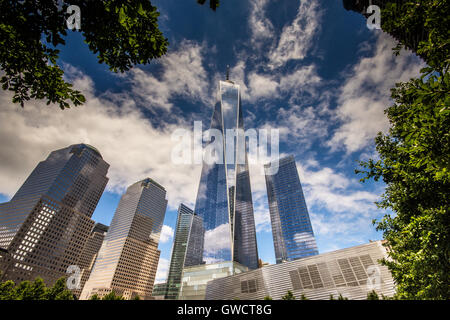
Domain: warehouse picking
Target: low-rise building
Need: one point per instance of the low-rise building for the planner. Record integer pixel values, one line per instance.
(350, 272)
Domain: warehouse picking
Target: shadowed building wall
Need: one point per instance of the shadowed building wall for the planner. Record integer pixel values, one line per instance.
(89, 254)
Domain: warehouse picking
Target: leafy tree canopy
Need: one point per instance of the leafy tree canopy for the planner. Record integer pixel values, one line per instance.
(289, 296)
(213, 4)
(121, 34)
(112, 296)
(415, 162)
(36, 290)
(94, 297)
(427, 20)
(341, 297)
(372, 295)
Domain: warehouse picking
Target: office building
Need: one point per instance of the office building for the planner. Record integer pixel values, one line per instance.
(224, 199)
(159, 291)
(129, 256)
(292, 232)
(351, 272)
(89, 254)
(187, 222)
(45, 226)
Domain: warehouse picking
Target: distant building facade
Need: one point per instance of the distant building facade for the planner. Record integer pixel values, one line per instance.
(292, 231)
(129, 256)
(45, 226)
(159, 291)
(350, 272)
(89, 254)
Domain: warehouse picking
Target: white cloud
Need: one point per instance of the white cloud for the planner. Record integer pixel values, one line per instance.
(262, 86)
(260, 26)
(301, 125)
(302, 81)
(340, 211)
(301, 84)
(166, 234)
(162, 271)
(297, 38)
(325, 188)
(126, 139)
(183, 75)
(366, 94)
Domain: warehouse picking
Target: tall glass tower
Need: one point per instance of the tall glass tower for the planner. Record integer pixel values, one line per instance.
(187, 223)
(224, 199)
(46, 224)
(292, 232)
(128, 258)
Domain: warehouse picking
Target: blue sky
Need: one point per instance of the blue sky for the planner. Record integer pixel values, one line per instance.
(310, 69)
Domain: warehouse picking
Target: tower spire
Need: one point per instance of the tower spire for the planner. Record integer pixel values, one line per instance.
(228, 72)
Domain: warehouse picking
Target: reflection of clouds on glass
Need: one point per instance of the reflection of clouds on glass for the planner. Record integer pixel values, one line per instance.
(231, 177)
(216, 240)
(201, 195)
(213, 152)
(305, 239)
(230, 107)
(203, 186)
(211, 260)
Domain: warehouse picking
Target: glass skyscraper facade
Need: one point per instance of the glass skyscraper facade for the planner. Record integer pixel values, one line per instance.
(224, 200)
(128, 258)
(45, 225)
(187, 222)
(292, 232)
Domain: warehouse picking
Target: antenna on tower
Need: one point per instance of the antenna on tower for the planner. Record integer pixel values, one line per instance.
(228, 72)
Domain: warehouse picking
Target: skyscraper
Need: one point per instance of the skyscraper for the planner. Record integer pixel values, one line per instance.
(46, 224)
(292, 232)
(128, 258)
(224, 202)
(224, 199)
(89, 254)
(187, 222)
